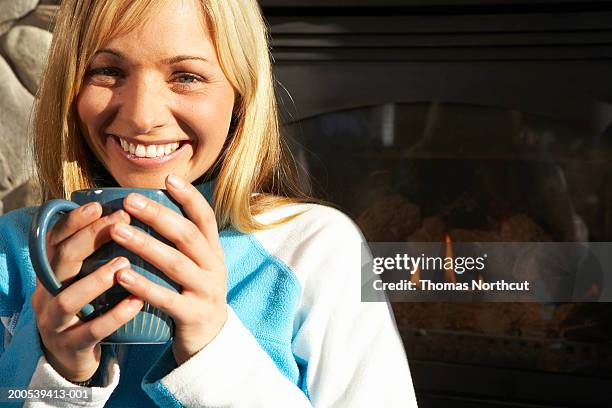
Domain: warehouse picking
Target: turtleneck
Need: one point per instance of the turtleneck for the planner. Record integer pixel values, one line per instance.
(206, 188)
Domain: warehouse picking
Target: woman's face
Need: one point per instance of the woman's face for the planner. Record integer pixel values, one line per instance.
(159, 93)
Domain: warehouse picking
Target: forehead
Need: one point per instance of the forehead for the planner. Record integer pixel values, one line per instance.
(175, 26)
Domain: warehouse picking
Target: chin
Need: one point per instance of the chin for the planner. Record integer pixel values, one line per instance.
(142, 181)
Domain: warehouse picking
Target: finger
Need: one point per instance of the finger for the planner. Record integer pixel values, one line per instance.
(39, 297)
(71, 252)
(103, 326)
(70, 301)
(197, 208)
(163, 298)
(172, 262)
(171, 225)
(73, 222)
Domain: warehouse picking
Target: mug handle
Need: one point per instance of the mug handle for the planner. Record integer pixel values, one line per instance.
(38, 247)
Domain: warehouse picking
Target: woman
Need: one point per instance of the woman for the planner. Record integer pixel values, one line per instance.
(178, 95)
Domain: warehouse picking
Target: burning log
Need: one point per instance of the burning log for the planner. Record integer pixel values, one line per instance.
(389, 219)
(521, 228)
(432, 230)
(474, 235)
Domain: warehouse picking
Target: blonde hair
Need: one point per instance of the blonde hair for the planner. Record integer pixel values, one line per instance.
(254, 158)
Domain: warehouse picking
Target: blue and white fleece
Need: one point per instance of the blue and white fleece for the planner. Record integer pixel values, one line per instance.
(297, 334)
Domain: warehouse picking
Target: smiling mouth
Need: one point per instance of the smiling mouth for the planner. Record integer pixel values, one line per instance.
(149, 150)
(148, 154)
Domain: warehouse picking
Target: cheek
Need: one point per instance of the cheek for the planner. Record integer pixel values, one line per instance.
(92, 106)
(210, 119)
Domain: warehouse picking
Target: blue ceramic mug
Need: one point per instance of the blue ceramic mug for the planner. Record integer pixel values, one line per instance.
(150, 325)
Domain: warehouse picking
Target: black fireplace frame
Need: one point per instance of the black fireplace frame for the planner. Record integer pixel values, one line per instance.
(550, 58)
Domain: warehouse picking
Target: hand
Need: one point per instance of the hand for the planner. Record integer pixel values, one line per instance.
(197, 264)
(71, 345)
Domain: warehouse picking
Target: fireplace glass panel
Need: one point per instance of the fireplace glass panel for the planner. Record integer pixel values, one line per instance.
(423, 171)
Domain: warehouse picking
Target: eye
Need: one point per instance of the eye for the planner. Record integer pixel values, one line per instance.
(185, 81)
(185, 78)
(104, 76)
(104, 71)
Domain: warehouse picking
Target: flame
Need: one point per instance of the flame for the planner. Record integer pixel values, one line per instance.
(449, 273)
(416, 277)
(593, 292)
(481, 278)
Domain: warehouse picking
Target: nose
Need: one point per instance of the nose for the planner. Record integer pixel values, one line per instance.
(142, 106)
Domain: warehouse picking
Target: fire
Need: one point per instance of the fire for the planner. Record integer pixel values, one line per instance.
(416, 277)
(593, 293)
(449, 273)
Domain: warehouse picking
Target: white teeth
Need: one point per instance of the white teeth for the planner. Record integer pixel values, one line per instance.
(140, 151)
(150, 151)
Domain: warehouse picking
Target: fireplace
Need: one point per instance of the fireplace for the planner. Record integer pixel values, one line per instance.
(465, 121)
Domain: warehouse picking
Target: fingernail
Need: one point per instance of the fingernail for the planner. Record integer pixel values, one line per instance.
(120, 263)
(90, 209)
(136, 201)
(123, 231)
(176, 181)
(126, 277)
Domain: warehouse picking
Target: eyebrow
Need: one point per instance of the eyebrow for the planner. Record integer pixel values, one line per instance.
(167, 61)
